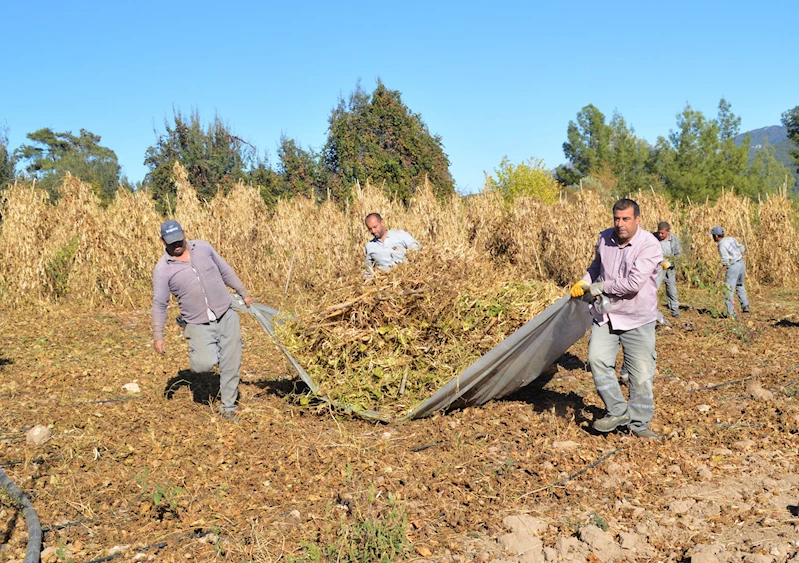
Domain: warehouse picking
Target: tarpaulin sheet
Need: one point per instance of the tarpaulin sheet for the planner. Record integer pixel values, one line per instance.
(516, 361)
(513, 363)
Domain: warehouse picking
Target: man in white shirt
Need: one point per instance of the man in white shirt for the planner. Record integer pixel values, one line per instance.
(386, 248)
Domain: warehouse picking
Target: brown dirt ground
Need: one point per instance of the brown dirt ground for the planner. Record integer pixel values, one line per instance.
(282, 477)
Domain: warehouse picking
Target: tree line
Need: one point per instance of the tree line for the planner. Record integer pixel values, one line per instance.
(695, 162)
(375, 136)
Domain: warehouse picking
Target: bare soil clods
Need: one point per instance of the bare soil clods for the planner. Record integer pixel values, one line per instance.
(158, 475)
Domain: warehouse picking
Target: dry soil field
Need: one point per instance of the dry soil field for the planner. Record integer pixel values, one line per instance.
(157, 475)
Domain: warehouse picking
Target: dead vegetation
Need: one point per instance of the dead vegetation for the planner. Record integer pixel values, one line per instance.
(390, 341)
(159, 475)
(77, 251)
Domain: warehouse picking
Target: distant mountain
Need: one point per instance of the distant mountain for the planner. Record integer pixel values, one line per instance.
(777, 137)
(773, 134)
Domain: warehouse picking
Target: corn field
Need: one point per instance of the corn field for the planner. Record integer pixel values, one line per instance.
(80, 252)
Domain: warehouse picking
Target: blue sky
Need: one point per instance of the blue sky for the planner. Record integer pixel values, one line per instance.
(491, 78)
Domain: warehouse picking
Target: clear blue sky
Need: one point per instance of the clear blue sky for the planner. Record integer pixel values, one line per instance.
(491, 78)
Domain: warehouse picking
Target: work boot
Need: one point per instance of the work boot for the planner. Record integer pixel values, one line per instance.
(646, 433)
(610, 423)
(230, 416)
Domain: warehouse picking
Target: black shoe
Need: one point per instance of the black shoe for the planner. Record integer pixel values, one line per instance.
(745, 309)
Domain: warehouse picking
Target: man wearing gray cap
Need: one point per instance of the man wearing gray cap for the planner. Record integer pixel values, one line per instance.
(198, 277)
(732, 258)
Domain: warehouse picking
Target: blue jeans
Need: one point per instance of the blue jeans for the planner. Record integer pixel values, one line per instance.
(218, 342)
(638, 345)
(735, 281)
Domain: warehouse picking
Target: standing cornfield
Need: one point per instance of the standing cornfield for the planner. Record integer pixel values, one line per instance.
(776, 244)
(78, 251)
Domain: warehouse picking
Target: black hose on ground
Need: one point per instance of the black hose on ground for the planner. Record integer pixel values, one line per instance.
(34, 550)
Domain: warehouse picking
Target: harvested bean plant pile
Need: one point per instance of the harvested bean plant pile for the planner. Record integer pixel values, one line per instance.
(392, 340)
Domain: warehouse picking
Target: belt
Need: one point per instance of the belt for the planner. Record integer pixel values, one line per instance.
(219, 318)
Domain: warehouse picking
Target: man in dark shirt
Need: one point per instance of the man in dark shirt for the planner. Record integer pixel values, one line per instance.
(193, 272)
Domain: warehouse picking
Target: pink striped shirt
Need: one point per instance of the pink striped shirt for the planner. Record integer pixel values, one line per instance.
(629, 272)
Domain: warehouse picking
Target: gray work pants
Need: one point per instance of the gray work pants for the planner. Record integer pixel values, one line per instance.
(735, 281)
(218, 342)
(670, 277)
(638, 345)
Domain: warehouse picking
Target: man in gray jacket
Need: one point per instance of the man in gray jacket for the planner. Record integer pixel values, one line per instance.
(732, 259)
(670, 245)
(193, 272)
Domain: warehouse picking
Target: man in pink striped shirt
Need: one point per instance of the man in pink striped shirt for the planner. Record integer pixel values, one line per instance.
(624, 270)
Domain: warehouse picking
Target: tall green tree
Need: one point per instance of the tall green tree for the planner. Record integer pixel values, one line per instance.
(681, 157)
(7, 160)
(629, 157)
(268, 182)
(587, 147)
(301, 171)
(700, 157)
(790, 119)
(609, 152)
(53, 154)
(378, 137)
(213, 157)
(731, 159)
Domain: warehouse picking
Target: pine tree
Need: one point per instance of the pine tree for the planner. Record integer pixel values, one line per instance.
(377, 137)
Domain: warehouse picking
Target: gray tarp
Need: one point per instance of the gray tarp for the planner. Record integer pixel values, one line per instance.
(509, 366)
(516, 361)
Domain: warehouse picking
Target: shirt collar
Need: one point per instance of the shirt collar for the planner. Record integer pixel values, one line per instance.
(629, 242)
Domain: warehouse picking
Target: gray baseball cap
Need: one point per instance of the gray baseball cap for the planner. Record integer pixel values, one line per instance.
(717, 231)
(171, 231)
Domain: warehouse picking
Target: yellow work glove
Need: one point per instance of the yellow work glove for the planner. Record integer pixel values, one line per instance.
(579, 289)
(666, 264)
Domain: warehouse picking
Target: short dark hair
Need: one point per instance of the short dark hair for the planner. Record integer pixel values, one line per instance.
(664, 226)
(375, 215)
(627, 203)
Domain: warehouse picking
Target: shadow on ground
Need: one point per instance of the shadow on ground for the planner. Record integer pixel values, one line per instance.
(569, 405)
(280, 387)
(204, 387)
